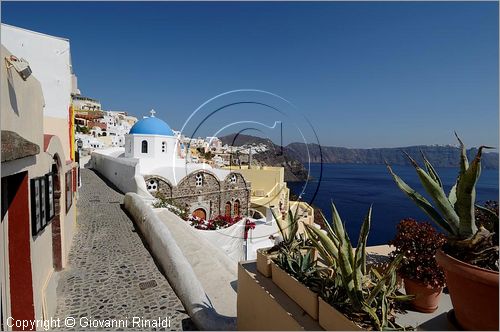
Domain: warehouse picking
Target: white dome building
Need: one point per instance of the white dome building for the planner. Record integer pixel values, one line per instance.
(152, 164)
(152, 138)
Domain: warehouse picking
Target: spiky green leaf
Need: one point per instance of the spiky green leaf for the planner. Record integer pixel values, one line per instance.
(439, 197)
(423, 204)
(464, 162)
(430, 169)
(360, 254)
(452, 196)
(466, 196)
(327, 249)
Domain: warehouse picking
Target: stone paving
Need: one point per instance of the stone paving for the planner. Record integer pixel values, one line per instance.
(111, 275)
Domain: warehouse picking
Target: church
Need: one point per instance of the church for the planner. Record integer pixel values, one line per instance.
(204, 191)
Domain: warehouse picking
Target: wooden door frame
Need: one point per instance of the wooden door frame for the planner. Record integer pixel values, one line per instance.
(19, 248)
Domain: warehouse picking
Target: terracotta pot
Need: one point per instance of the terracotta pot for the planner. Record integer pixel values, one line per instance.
(333, 320)
(473, 292)
(264, 262)
(299, 293)
(426, 297)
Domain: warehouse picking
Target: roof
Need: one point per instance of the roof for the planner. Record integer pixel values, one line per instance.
(151, 126)
(15, 146)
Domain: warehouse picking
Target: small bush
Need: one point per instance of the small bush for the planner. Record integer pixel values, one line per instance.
(418, 242)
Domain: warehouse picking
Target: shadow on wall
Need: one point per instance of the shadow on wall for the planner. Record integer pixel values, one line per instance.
(12, 93)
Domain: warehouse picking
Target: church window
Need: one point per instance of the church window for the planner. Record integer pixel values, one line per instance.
(236, 208)
(152, 185)
(227, 211)
(144, 146)
(199, 180)
(233, 178)
(163, 146)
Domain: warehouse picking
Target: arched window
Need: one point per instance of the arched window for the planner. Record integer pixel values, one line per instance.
(227, 213)
(236, 208)
(144, 146)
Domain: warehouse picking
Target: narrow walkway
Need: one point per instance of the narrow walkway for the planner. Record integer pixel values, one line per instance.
(111, 275)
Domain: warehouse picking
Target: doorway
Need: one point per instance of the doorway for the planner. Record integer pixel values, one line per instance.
(200, 213)
(15, 211)
(56, 222)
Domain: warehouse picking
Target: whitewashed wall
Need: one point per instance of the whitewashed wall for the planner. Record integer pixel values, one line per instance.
(123, 173)
(50, 60)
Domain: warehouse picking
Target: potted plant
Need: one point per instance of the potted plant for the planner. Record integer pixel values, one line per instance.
(423, 278)
(353, 296)
(288, 234)
(470, 256)
(298, 275)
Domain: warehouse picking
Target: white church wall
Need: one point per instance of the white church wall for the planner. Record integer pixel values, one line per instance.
(156, 149)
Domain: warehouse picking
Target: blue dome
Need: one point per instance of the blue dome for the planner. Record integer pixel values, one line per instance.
(151, 126)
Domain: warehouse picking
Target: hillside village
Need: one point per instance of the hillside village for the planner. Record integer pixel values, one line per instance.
(96, 128)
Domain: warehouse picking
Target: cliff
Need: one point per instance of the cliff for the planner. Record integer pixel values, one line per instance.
(295, 155)
(294, 169)
(439, 156)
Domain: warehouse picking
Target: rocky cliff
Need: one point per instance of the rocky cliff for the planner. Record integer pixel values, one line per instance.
(274, 156)
(439, 156)
(295, 155)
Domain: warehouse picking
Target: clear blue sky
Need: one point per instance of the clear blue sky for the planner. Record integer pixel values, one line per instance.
(365, 74)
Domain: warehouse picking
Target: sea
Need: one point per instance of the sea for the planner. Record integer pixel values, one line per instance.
(353, 187)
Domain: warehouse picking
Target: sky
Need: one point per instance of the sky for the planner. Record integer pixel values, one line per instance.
(359, 74)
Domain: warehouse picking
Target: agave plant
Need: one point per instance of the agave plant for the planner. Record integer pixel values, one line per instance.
(356, 292)
(302, 265)
(288, 230)
(455, 212)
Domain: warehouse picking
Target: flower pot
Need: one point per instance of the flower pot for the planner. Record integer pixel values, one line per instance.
(332, 320)
(298, 292)
(473, 292)
(264, 260)
(426, 297)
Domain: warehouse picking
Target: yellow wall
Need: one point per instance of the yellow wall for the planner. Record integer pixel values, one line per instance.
(268, 184)
(59, 127)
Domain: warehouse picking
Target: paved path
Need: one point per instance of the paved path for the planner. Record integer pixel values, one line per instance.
(111, 275)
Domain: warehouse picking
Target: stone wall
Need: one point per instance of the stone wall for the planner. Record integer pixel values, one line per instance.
(211, 195)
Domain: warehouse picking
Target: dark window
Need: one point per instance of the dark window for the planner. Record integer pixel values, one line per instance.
(69, 190)
(236, 208)
(42, 202)
(144, 147)
(49, 178)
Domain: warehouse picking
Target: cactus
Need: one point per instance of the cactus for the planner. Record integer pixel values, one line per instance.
(355, 291)
(455, 212)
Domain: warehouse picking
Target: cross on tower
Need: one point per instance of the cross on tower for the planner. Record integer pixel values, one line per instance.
(152, 113)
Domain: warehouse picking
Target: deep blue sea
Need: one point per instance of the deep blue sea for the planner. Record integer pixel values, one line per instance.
(354, 187)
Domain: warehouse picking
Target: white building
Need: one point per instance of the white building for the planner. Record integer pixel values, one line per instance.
(82, 103)
(152, 162)
(152, 138)
(89, 141)
(38, 172)
(118, 124)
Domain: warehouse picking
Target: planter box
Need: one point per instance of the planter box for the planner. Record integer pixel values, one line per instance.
(332, 320)
(263, 306)
(264, 262)
(303, 296)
